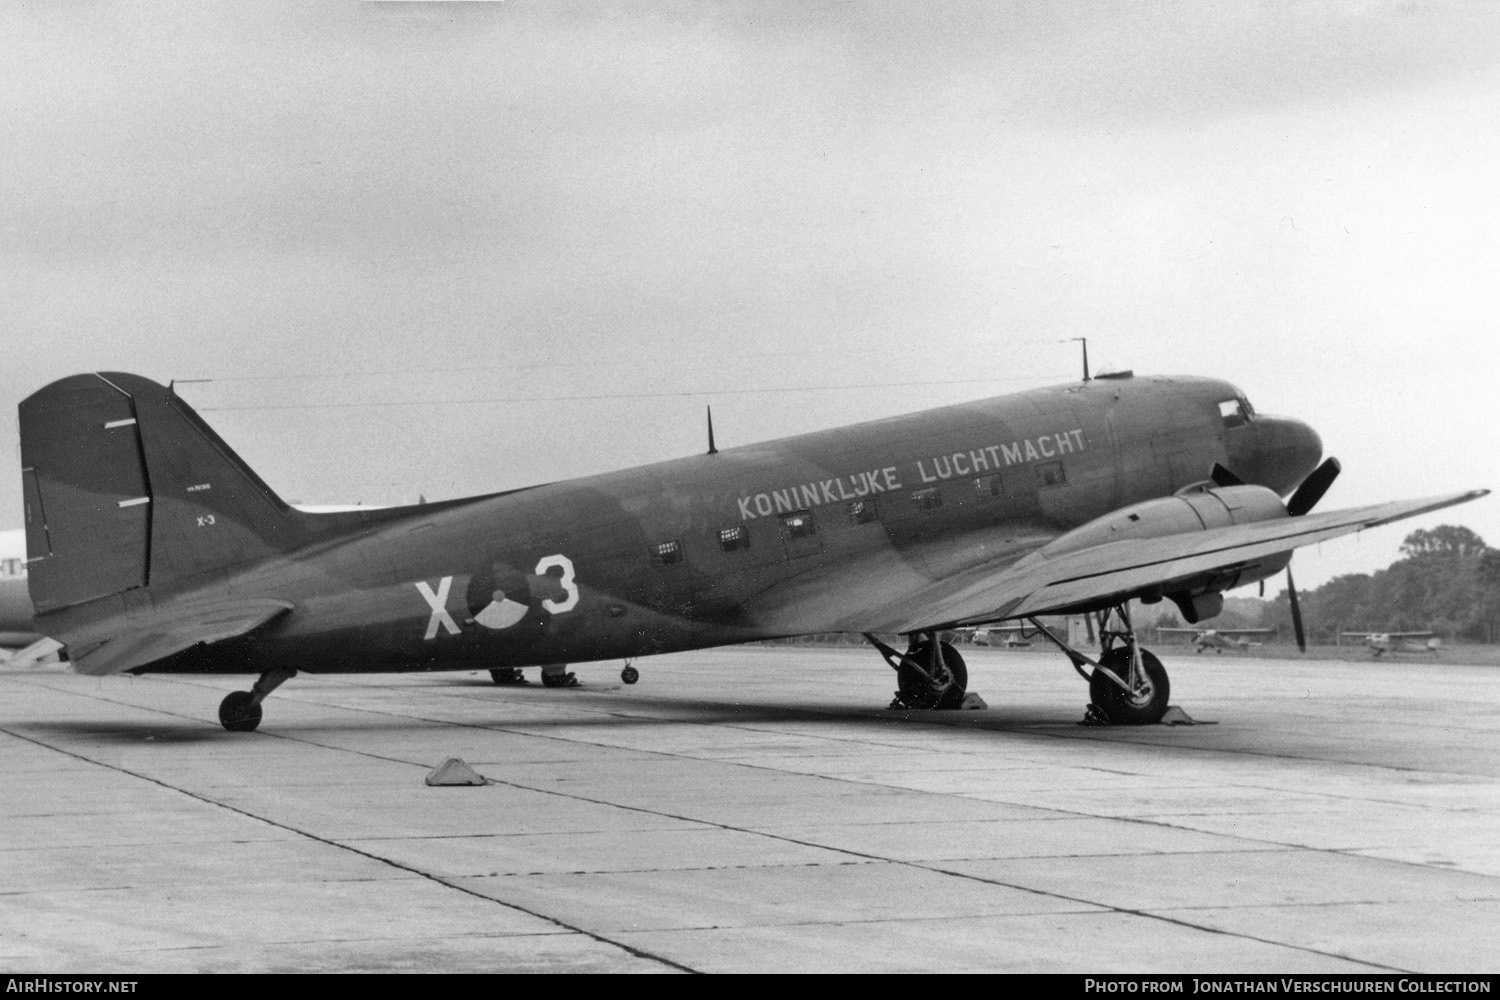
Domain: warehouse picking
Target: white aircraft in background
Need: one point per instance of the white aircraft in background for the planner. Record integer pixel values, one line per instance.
(1398, 642)
(20, 644)
(1220, 639)
(1009, 636)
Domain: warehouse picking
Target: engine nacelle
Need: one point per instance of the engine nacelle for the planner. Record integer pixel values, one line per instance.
(1218, 507)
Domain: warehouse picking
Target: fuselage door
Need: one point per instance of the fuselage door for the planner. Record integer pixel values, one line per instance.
(800, 536)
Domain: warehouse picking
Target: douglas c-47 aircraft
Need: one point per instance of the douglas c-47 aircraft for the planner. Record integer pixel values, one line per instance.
(153, 547)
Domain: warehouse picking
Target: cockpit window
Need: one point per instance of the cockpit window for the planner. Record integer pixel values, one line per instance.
(1236, 412)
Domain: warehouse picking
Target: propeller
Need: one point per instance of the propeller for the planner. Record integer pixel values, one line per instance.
(1313, 487)
(1291, 594)
(1223, 477)
(1308, 493)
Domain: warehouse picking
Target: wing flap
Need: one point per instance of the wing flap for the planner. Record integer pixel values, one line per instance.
(136, 642)
(1119, 570)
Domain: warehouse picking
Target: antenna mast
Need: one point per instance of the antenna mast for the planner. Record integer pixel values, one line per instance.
(1085, 342)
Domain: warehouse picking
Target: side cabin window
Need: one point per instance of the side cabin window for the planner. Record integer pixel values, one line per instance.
(666, 553)
(1050, 474)
(927, 499)
(862, 511)
(987, 486)
(734, 539)
(800, 525)
(1236, 412)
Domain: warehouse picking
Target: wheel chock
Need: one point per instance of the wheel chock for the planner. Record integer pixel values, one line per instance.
(1175, 716)
(973, 701)
(454, 771)
(1093, 716)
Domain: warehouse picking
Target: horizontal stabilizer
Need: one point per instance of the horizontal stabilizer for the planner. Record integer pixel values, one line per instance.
(136, 641)
(44, 650)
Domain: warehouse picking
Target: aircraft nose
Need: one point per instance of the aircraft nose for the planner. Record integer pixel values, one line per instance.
(1289, 451)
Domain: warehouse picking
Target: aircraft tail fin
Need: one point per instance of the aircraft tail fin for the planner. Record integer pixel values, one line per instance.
(125, 487)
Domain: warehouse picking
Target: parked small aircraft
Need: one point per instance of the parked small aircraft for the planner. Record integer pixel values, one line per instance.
(1398, 642)
(1009, 636)
(153, 547)
(1220, 639)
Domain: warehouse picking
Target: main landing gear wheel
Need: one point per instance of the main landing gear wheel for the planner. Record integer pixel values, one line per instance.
(915, 690)
(630, 675)
(508, 676)
(1141, 707)
(240, 712)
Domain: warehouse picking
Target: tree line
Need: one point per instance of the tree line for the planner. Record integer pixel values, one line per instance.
(1447, 581)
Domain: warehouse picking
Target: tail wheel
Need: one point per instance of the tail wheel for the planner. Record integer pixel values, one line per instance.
(1141, 707)
(239, 712)
(916, 690)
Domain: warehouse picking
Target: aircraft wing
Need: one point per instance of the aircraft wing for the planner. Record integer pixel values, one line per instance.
(1116, 571)
(124, 643)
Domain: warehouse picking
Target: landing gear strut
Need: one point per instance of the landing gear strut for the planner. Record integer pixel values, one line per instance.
(930, 674)
(557, 675)
(239, 712)
(1128, 685)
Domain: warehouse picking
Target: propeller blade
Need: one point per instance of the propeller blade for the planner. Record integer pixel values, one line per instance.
(1223, 477)
(1313, 488)
(1291, 594)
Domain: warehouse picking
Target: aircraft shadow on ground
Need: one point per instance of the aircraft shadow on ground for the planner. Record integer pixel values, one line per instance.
(663, 710)
(607, 706)
(184, 731)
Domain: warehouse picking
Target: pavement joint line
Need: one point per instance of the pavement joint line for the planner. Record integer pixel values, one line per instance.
(963, 875)
(1064, 813)
(673, 871)
(1147, 914)
(490, 936)
(852, 853)
(928, 866)
(1314, 904)
(1065, 731)
(639, 953)
(1085, 735)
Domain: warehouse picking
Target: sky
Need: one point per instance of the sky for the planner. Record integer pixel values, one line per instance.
(438, 249)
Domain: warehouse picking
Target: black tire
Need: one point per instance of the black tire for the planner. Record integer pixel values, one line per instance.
(1142, 708)
(508, 676)
(630, 675)
(239, 712)
(914, 689)
(562, 680)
